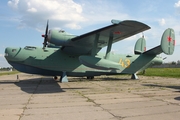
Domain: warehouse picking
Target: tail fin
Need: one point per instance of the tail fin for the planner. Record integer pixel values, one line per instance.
(140, 46)
(167, 44)
(168, 41)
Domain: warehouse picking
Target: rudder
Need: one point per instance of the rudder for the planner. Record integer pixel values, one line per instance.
(140, 46)
(168, 41)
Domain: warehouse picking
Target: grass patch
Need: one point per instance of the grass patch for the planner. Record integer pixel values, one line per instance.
(163, 72)
(8, 73)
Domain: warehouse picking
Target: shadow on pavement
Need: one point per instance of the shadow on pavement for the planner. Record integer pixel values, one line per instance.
(166, 86)
(39, 85)
(84, 79)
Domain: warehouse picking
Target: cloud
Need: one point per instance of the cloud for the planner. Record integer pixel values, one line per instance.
(162, 22)
(177, 6)
(33, 12)
(65, 13)
(13, 3)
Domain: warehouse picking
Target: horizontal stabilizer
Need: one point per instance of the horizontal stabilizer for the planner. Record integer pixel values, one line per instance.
(154, 51)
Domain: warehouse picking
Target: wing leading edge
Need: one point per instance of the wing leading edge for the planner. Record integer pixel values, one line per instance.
(85, 43)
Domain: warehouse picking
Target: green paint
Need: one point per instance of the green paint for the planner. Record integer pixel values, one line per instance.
(79, 55)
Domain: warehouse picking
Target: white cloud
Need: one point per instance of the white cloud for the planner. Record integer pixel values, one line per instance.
(162, 22)
(65, 13)
(13, 3)
(177, 6)
(34, 12)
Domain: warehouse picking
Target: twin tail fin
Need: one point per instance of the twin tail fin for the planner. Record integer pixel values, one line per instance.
(167, 44)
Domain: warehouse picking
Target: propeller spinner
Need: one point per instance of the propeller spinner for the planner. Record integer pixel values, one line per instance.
(45, 36)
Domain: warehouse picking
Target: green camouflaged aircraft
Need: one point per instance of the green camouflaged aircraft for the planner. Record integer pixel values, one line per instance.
(65, 55)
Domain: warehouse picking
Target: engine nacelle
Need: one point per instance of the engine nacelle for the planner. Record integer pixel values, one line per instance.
(59, 37)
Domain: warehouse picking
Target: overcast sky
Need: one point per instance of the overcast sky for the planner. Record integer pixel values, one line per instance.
(23, 21)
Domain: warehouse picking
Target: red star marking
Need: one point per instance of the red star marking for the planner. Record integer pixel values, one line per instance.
(117, 32)
(169, 38)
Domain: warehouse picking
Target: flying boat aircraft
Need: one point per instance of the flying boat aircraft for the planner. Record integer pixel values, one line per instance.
(65, 55)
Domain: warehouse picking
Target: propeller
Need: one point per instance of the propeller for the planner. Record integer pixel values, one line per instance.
(45, 36)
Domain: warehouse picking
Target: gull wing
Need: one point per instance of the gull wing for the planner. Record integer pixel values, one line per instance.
(84, 44)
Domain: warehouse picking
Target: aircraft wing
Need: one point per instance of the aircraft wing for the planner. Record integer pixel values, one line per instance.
(83, 44)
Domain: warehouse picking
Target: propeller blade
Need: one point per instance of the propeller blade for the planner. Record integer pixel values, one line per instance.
(47, 27)
(46, 36)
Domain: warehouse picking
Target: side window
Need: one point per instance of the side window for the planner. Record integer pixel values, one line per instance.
(13, 50)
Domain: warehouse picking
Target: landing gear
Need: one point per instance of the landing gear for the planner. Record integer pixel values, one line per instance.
(63, 78)
(90, 77)
(134, 76)
(55, 77)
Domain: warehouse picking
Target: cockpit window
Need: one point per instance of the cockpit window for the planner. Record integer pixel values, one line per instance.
(30, 48)
(62, 31)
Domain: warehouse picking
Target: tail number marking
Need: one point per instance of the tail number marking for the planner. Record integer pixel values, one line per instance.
(125, 63)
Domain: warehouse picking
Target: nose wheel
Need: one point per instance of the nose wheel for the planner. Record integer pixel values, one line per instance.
(55, 77)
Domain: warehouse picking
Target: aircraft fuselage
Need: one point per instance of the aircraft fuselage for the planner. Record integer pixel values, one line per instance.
(53, 61)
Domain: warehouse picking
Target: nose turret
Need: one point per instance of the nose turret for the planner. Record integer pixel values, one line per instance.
(11, 53)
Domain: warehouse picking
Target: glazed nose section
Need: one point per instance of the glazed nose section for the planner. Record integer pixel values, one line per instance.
(10, 53)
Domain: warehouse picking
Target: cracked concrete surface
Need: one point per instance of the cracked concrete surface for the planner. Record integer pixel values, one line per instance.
(104, 98)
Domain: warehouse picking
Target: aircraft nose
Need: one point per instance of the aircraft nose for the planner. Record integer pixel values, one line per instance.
(10, 53)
